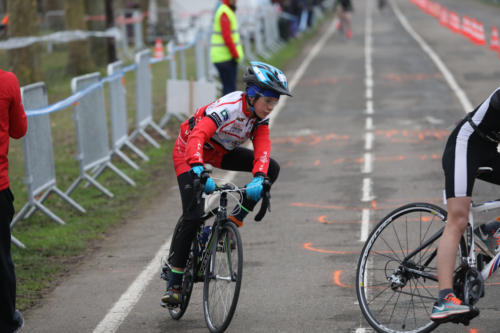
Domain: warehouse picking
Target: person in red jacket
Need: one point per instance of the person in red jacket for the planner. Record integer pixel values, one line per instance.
(215, 135)
(13, 124)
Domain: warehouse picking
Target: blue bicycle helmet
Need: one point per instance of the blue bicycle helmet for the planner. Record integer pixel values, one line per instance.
(266, 77)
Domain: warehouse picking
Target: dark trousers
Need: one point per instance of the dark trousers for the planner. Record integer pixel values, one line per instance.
(227, 72)
(239, 159)
(7, 275)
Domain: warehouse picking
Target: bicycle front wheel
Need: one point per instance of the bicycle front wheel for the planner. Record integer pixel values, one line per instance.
(396, 279)
(223, 277)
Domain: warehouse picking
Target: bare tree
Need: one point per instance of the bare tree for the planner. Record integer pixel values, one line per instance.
(110, 22)
(23, 21)
(79, 59)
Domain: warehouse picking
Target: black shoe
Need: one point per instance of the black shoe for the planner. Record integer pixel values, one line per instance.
(172, 297)
(18, 317)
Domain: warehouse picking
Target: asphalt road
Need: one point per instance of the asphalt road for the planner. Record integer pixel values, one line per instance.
(363, 134)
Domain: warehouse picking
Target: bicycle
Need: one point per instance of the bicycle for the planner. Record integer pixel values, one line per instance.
(218, 262)
(396, 278)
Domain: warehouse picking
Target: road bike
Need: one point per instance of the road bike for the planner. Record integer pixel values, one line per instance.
(396, 278)
(216, 259)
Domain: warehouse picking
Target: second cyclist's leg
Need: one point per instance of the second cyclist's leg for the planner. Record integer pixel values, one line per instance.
(459, 165)
(182, 239)
(448, 304)
(242, 159)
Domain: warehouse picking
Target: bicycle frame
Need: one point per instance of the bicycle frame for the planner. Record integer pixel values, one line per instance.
(486, 272)
(494, 263)
(220, 219)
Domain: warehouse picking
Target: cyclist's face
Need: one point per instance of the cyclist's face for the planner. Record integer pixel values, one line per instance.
(264, 106)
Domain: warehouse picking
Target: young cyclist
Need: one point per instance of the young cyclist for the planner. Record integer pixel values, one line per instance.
(215, 135)
(344, 14)
(471, 145)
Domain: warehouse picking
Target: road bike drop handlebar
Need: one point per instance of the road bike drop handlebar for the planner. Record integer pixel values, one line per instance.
(199, 186)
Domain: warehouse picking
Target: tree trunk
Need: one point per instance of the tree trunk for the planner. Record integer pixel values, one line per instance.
(95, 22)
(23, 21)
(110, 22)
(79, 59)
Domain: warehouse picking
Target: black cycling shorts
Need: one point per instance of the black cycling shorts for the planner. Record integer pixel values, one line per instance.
(466, 151)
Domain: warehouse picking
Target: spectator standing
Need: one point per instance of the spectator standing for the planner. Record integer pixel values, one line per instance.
(13, 124)
(226, 49)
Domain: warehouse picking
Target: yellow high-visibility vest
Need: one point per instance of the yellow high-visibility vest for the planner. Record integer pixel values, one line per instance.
(219, 52)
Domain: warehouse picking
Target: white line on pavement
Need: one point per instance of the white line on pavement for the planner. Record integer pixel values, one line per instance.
(462, 97)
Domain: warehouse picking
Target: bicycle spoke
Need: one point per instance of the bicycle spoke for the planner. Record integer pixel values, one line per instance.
(399, 242)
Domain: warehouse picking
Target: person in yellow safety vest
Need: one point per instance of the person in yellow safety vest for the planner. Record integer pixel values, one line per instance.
(226, 49)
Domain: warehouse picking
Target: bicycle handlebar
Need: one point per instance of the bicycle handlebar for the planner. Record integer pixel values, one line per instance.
(199, 187)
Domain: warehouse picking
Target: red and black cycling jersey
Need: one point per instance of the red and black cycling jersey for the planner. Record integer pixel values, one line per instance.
(220, 127)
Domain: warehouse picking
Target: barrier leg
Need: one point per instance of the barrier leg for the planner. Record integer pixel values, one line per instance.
(69, 200)
(125, 158)
(99, 186)
(136, 150)
(72, 187)
(21, 213)
(165, 119)
(159, 130)
(149, 138)
(120, 173)
(49, 213)
(42, 199)
(17, 242)
(96, 171)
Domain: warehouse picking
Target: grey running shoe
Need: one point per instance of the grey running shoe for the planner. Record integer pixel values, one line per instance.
(448, 309)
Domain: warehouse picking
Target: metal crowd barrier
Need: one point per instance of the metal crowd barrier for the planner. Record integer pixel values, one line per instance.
(92, 134)
(118, 113)
(144, 99)
(39, 159)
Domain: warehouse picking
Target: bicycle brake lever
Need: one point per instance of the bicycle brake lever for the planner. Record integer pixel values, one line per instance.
(266, 200)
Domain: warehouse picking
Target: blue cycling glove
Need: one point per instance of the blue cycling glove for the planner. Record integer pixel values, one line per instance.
(209, 184)
(197, 170)
(254, 188)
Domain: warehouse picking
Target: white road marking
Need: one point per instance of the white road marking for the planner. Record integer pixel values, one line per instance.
(369, 123)
(367, 165)
(120, 310)
(462, 97)
(367, 191)
(368, 140)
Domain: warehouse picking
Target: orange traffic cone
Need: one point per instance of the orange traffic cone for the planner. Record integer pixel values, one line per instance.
(158, 49)
(494, 43)
(443, 17)
(480, 39)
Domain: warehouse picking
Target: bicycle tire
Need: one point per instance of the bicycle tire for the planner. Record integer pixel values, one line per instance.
(391, 298)
(223, 278)
(187, 281)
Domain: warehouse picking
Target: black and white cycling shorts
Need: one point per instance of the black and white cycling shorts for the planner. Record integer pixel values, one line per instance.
(465, 152)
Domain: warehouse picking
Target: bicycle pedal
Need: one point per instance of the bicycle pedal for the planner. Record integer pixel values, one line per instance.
(466, 318)
(168, 306)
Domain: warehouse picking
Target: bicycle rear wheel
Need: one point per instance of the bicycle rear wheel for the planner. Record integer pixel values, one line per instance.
(223, 277)
(396, 279)
(187, 282)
